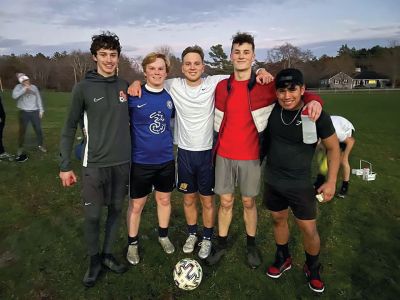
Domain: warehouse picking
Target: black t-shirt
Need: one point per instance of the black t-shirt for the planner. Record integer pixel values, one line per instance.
(288, 158)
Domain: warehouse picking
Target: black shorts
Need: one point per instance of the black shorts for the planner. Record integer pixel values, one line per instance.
(301, 201)
(195, 172)
(104, 186)
(145, 177)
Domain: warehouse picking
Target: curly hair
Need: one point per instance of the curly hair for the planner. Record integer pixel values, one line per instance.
(105, 40)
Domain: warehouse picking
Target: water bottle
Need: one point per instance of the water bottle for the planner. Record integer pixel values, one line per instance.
(309, 128)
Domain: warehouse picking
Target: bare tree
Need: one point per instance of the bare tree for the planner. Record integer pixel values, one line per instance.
(288, 56)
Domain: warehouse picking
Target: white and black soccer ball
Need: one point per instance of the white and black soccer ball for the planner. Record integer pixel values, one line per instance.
(187, 274)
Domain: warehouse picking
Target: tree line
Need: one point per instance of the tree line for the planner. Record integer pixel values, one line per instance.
(62, 70)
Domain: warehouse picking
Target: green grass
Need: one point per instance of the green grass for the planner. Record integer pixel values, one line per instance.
(42, 255)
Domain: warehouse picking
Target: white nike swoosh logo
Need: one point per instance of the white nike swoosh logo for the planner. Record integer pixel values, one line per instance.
(140, 105)
(87, 203)
(97, 99)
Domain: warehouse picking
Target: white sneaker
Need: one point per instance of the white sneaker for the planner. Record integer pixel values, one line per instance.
(132, 255)
(42, 148)
(205, 248)
(190, 243)
(5, 155)
(166, 244)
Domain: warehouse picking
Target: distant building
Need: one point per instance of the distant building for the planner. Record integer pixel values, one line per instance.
(360, 79)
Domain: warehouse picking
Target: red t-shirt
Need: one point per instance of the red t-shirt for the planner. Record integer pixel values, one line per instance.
(239, 139)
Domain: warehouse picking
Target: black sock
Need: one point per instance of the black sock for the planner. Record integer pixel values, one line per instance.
(222, 241)
(133, 240)
(345, 186)
(283, 250)
(311, 260)
(207, 233)
(162, 232)
(251, 240)
(192, 229)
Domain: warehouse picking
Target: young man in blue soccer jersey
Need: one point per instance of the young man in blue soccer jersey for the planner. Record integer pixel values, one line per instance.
(101, 100)
(153, 162)
(288, 175)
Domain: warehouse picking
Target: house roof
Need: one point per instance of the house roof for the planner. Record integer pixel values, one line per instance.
(368, 75)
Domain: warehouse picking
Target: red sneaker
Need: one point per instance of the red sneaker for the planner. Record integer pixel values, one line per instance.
(314, 278)
(278, 267)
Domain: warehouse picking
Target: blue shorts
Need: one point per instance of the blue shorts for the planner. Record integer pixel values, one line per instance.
(195, 172)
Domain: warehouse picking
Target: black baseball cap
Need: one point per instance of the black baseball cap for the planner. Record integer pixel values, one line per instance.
(289, 78)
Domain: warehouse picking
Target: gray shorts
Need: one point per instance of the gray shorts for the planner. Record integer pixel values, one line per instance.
(230, 173)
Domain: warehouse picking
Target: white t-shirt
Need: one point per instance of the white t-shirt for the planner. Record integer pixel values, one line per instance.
(343, 127)
(194, 107)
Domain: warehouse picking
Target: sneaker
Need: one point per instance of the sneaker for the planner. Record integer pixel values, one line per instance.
(132, 255)
(166, 244)
(278, 267)
(92, 272)
(215, 256)
(5, 155)
(314, 278)
(190, 243)
(21, 158)
(253, 257)
(205, 249)
(112, 264)
(42, 148)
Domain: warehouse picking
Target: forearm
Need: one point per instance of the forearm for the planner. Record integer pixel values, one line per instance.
(18, 91)
(333, 157)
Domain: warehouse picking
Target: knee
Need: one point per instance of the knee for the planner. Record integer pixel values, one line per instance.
(164, 201)
(279, 221)
(249, 203)
(227, 203)
(135, 208)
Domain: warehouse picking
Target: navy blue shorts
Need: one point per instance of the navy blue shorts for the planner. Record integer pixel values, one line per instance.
(195, 172)
(301, 201)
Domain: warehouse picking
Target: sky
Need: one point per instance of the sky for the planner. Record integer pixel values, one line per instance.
(322, 26)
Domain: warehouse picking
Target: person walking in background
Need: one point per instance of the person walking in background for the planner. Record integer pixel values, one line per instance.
(102, 101)
(30, 105)
(3, 153)
(344, 131)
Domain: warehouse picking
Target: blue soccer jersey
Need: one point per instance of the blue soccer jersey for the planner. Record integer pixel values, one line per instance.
(151, 132)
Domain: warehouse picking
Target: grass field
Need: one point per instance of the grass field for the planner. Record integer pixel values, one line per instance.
(42, 255)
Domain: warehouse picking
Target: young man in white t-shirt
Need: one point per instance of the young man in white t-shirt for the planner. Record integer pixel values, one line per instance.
(193, 98)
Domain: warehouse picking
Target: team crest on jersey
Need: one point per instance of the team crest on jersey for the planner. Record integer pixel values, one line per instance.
(122, 97)
(183, 186)
(169, 104)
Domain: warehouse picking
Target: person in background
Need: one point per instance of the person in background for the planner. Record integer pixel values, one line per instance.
(30, 105)
(345, 133)
(3, 153)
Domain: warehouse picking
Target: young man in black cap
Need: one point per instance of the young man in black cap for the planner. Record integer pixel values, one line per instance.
(288, 175)
(101, 100)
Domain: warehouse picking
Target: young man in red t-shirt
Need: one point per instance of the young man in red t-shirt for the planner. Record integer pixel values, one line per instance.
(242, 108)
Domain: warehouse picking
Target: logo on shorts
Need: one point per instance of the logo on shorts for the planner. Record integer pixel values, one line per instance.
(183, 186)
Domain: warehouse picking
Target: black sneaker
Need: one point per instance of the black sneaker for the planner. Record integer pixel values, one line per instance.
(343, 192)
(216, 254)
(21, 158)
(253, 257)
(112, 264)
(314, 278)
(92, 273)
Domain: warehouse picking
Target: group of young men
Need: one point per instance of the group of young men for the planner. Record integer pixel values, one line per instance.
(223, 127)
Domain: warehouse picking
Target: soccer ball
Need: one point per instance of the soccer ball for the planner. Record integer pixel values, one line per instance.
(187, 274)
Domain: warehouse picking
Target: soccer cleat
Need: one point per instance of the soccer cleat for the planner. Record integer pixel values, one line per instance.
(190, 243)
(205, 249)
(132, 255)
(314, 278)
(42, 149)
(278, 267)
(343, 192)
(92, 273)
(215, 255)
(112, 264)
(166, 244)
(253, 257)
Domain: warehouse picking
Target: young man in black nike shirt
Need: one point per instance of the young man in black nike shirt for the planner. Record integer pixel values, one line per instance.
(100, 99)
